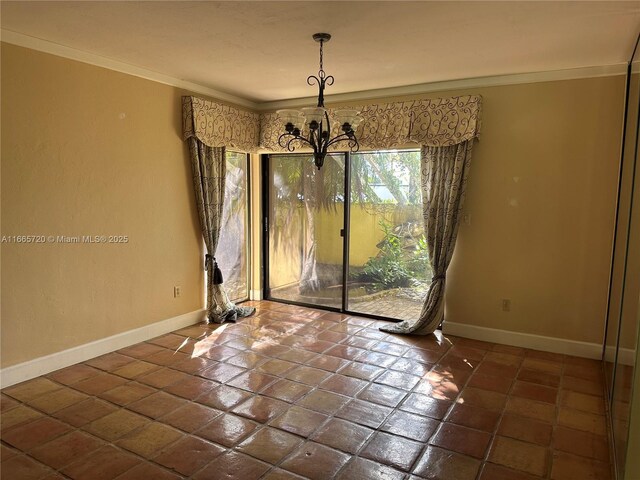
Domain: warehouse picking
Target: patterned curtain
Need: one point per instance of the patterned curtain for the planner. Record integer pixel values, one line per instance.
(444, 179)
(209, 170)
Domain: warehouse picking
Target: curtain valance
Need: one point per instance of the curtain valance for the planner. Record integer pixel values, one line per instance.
(440, 122)
(218, 125)
(431, 122)
(384, 126)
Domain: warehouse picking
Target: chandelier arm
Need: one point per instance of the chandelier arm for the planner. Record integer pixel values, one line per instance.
(340, 138)
(290, 147)
(288, 144)
(282, 137)
(354, 146)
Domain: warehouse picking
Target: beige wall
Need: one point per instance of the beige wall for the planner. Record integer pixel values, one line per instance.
(89, 151)
(542, 196)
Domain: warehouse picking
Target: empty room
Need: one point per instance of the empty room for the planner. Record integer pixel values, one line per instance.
(351, 240)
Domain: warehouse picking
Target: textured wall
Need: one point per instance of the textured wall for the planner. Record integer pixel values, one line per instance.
(89, 151)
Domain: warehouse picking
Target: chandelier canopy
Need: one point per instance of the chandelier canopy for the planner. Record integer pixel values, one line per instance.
(310, 126)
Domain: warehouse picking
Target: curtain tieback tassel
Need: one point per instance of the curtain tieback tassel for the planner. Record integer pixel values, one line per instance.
(438, 277)
(217, 273)
(210, 261)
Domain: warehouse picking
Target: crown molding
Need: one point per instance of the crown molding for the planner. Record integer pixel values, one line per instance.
(46, 46)
(465, 83)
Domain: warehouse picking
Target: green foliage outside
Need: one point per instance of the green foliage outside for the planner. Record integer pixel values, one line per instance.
(398, 264)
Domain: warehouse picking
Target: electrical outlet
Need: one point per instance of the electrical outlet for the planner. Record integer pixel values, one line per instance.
(466, 219)
(177, 291)
(506, 305)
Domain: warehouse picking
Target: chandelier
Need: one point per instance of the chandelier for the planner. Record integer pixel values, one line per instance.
(310, 126)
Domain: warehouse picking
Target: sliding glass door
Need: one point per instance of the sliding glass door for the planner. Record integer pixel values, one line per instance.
(367, 203)
(305, 253)
(388, 265)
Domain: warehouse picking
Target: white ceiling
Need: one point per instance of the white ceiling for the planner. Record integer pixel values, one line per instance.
(263, 51)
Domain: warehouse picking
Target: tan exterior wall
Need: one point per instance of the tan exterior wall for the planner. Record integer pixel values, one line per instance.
(285, 251)
(286, 259)
(366, 232)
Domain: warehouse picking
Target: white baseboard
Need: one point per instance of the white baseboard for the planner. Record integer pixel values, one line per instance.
(526, 340)
(255, 295)
(626, 356)
(49, 363)
(609, 354)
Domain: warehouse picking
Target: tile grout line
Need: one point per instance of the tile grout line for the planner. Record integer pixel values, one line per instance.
(254, 394)
(119, 407)
(79, 428)
(279, 377)
(268, 423)
(494, 434)
(395, 409)
(333, 416)
(556, 418)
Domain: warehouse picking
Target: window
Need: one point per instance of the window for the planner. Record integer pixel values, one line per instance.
(233, 246)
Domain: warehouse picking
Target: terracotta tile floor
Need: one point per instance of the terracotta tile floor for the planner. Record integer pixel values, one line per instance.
(300, 393)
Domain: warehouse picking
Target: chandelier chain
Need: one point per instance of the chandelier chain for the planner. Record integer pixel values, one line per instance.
(321, 73)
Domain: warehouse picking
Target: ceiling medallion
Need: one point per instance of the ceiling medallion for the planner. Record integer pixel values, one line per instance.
(310, 126)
